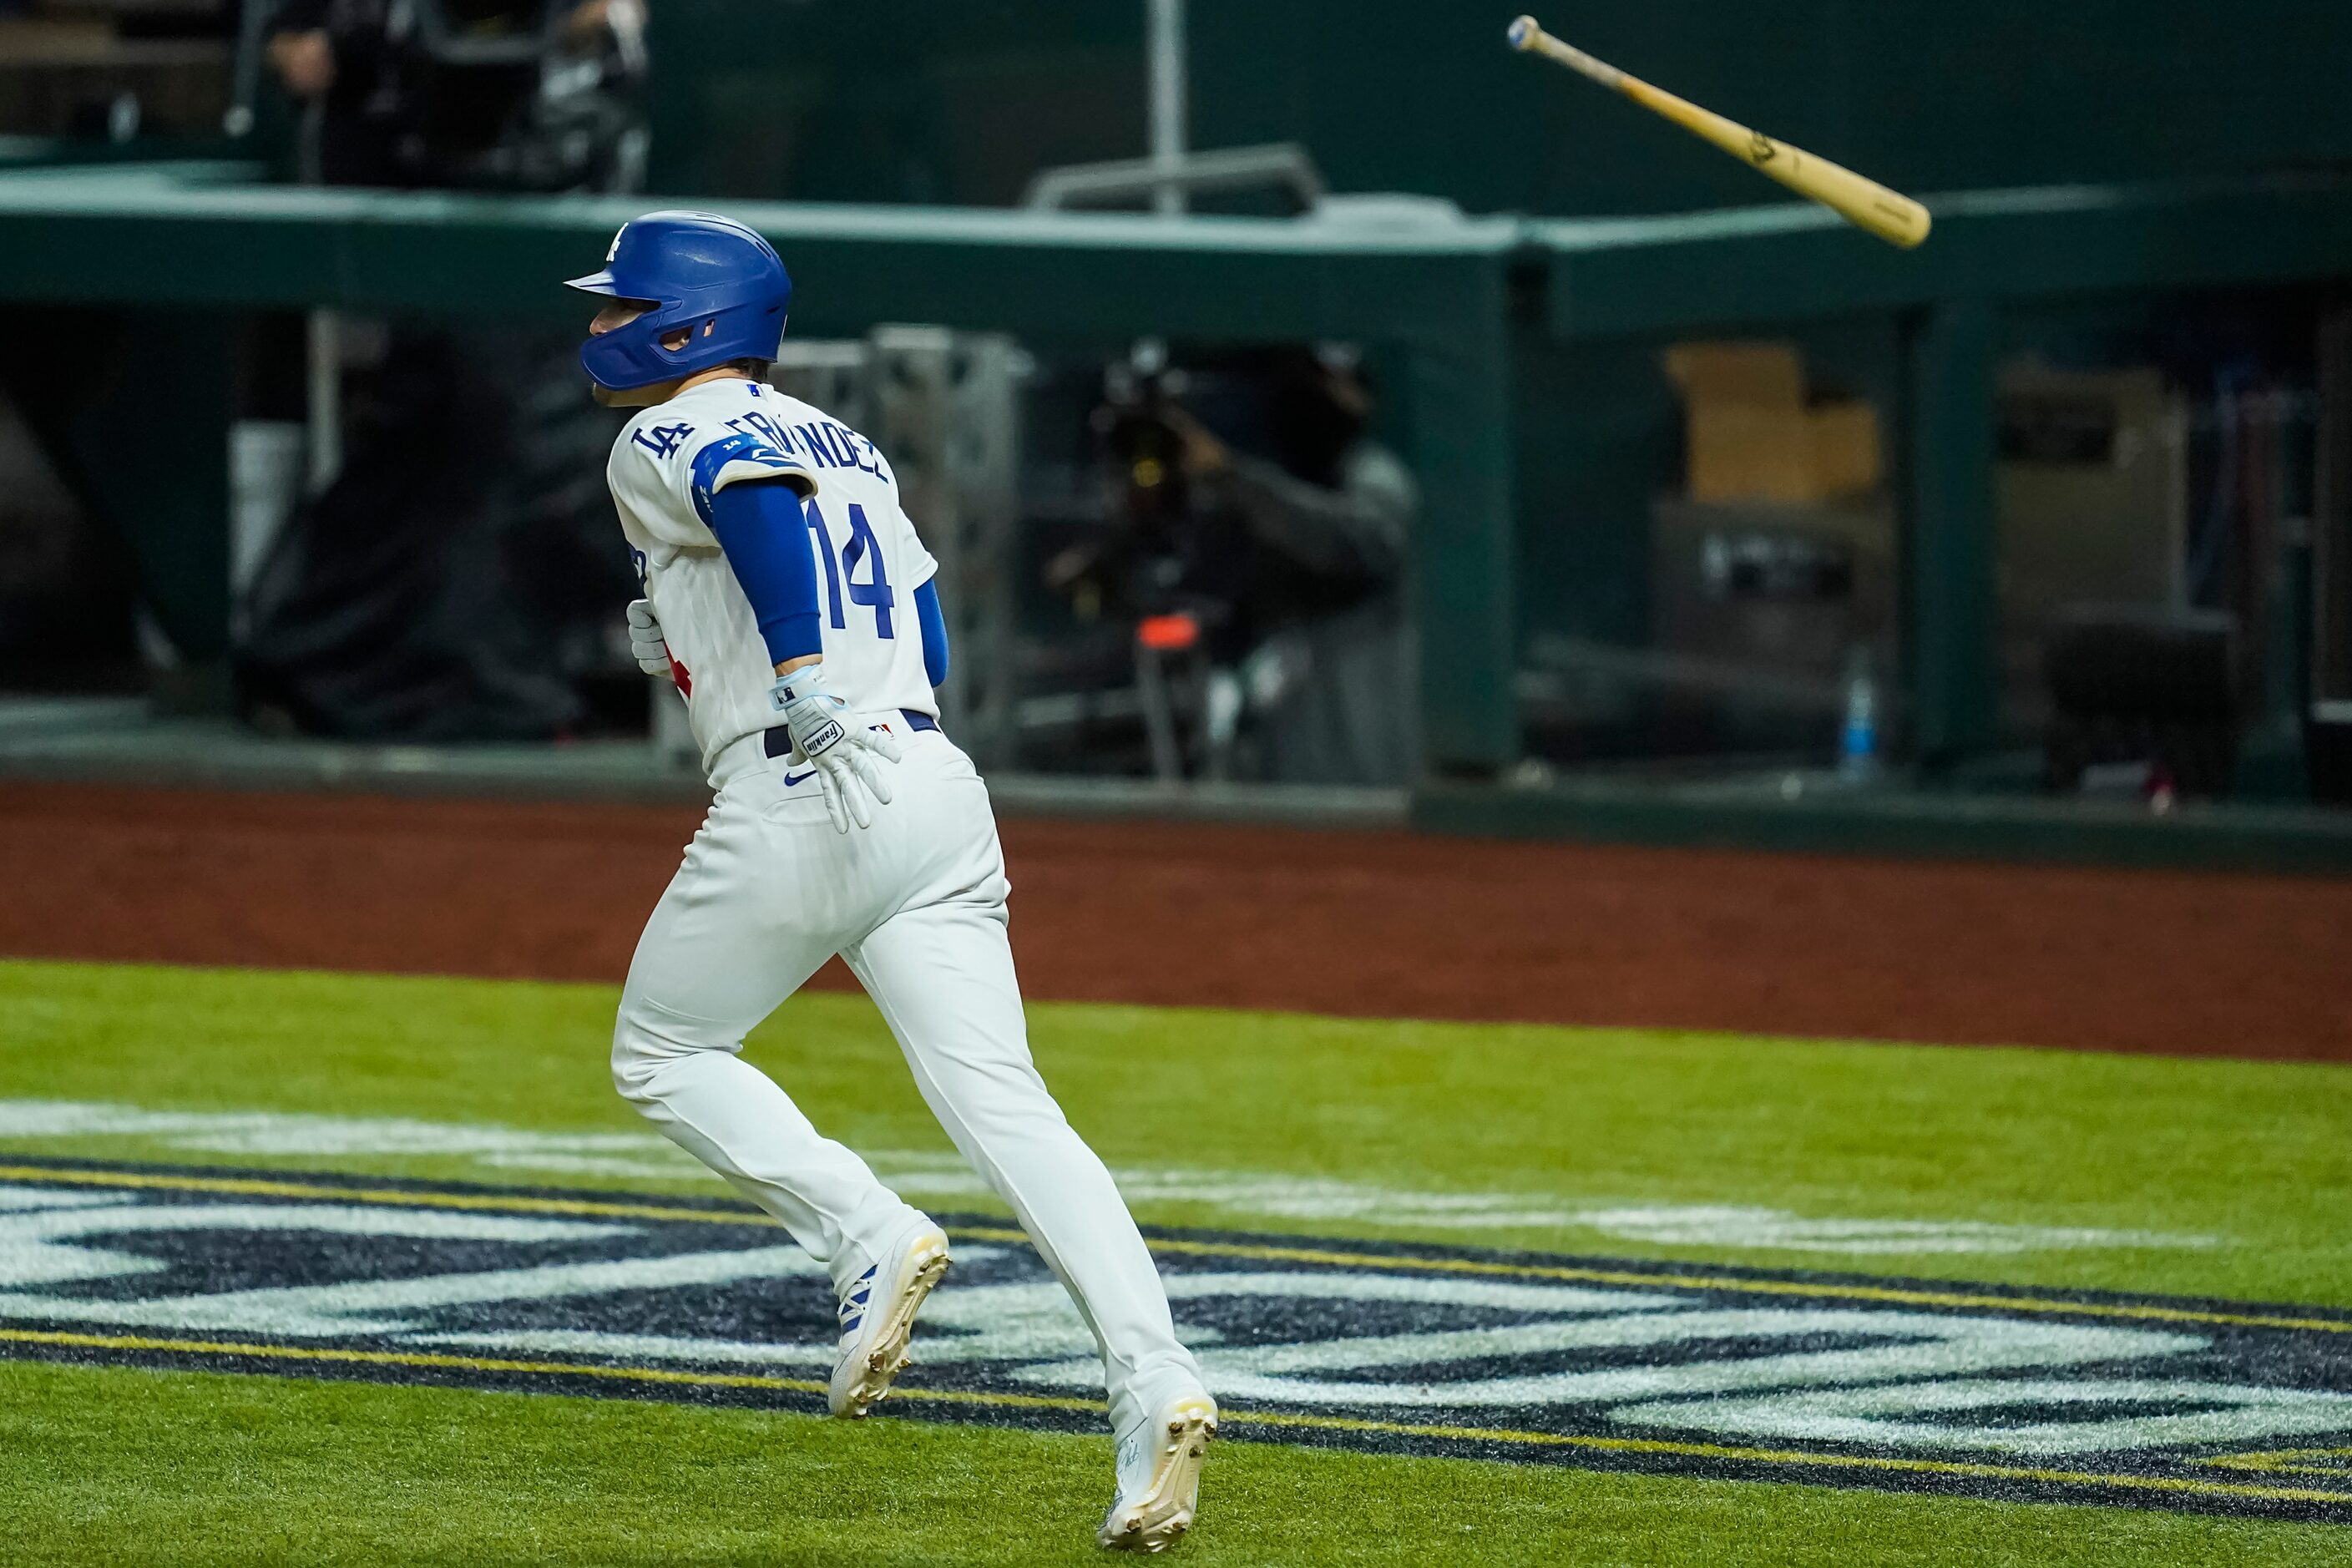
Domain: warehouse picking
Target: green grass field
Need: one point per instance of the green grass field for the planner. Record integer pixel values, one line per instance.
(2199, 1178)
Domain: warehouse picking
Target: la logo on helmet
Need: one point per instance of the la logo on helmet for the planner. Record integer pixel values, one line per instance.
(616, 250)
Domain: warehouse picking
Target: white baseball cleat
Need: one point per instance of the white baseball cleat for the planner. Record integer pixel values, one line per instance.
(877, 1319)
(1160, 1475)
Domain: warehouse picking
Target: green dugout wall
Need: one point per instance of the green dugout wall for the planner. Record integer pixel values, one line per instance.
(202, 242)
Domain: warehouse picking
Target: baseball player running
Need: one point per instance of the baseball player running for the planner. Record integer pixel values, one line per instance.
(788, 596)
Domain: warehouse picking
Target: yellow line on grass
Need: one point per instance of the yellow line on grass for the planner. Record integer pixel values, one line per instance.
(2290, 1462)
(431, 1361)
(1791, 1456)
(421, 1359)
(590, 1208)
(425, 1360)
(261, 1187)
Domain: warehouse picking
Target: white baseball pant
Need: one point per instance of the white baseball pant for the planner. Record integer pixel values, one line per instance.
(915, 904)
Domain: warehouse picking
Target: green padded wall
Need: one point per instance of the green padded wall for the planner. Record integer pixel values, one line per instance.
(935, 100)
(926, 100)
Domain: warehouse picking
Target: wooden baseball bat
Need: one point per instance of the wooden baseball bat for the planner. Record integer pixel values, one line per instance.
(1864, 202)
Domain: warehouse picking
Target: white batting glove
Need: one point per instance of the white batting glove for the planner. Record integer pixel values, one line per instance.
(840, 746)
(646, 644)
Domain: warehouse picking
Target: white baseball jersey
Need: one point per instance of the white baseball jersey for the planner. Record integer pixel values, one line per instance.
(664, 469)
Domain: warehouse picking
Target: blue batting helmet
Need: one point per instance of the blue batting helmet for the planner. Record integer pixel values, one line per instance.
(709, 274)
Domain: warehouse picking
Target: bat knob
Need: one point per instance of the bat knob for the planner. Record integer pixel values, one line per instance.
(1522, 33)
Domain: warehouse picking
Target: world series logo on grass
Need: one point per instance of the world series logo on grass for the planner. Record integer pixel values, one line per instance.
(1602, 1363)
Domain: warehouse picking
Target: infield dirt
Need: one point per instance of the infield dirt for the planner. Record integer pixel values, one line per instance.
(1354, 923)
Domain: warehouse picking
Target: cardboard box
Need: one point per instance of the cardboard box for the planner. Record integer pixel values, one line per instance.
(1741, 451)
(1752, 436)
(1849, 459)
(1795, 455)
(1771, 374)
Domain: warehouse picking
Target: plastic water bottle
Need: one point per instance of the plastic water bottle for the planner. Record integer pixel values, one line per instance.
(1858, 741)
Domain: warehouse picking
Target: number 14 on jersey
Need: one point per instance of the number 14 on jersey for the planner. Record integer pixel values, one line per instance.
(863, 549)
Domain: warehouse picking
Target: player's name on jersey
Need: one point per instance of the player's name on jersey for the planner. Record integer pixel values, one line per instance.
(822, 443)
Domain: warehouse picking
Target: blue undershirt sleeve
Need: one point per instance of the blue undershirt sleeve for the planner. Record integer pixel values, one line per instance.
(761, 526)
(935, 632)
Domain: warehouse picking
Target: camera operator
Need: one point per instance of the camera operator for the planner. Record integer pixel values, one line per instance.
(459, 93)
(1323, 519)
(453, 579)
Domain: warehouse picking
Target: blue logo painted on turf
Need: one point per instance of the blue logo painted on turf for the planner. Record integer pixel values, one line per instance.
(1706, 1371)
